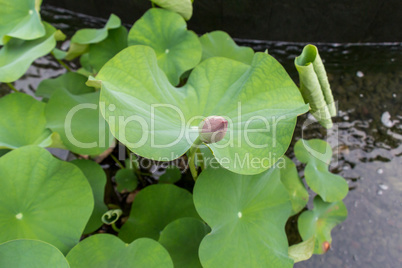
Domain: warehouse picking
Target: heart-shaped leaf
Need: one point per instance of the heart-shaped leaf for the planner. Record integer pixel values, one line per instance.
(77, 120)
(159, 121)
(182, 238)
(220, 44)
(105, 251)
(317, 155)
(320, 221)
(17, 55)
(69, 82)
(183, 7)
(172, 175)
(23, 122)
(314, 85)
(154, 208)
(82, 38)
(247, 215)
(42, 198)
(111, 216)
(293, 184)
(97, 179)
(176, 48)
(126, 180)
(20, 19)
(23, 253)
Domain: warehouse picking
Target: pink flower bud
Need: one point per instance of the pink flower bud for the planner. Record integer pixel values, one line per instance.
(213, 128)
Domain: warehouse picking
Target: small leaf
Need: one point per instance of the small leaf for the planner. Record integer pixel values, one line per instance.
(69, 82)
(320, 221)
(302, 251)
(182, 7)
(182, 239)
(97, 179)
(82, 38)
(111, 216)
(293, 184)
(43, 198)
(314, 85)
(126, 180)
(21, 19)
(220, 44)
(17, 55)
(171, 175)
(105, 251)
(155, 207)
(317, 155)
(22, 253)
(77, 120)
(247, 215)
(22, 114)
(176, 48)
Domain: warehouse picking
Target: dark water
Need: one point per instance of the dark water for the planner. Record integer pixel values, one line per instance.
(367, 138)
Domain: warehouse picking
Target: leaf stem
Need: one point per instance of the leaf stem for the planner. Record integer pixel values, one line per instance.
(61, 63)
(12, 87)
(117, 161)
(115, 228)
(191, 157)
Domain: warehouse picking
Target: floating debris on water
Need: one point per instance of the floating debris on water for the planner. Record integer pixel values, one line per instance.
(383, 186)
(380, 171)
(359, 74)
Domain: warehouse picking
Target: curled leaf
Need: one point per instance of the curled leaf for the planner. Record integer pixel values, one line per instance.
(111, 216)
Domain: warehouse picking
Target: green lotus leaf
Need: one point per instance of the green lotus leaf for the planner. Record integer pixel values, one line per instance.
(24, 253)
(155, 207)
(183, 7)
(293, 184)
(77, 120)
(302, 251)
(317, 155)
(23, 122)
(176, 48)
(171, 175)
(100, 53)
(182, 238)
(83, 38)
(314, 85)
(20, 19)
(111, 216)
(105, 251)
(97, 179)
(320, 221)
(220, 44)
(159, 121)
(247, 215)
(69, 82)
(17, 55)
(126, 180)
(42, 198)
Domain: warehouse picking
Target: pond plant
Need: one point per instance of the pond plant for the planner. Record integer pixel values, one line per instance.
(163, 93)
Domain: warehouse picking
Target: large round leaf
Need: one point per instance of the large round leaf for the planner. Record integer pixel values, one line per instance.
(220, 44)
(182, 239)
(154, 208)
(26, 253)
(97, 179)
(183, 7)
(247, 215)
(17, 55)
(159, 121)
(42, 198)
(320, 221)
(105, 251)
(177, 49)
(20, 19)
(23, 122)
(317, 155)
(290, 178)
(69, 82)
(77, 120)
